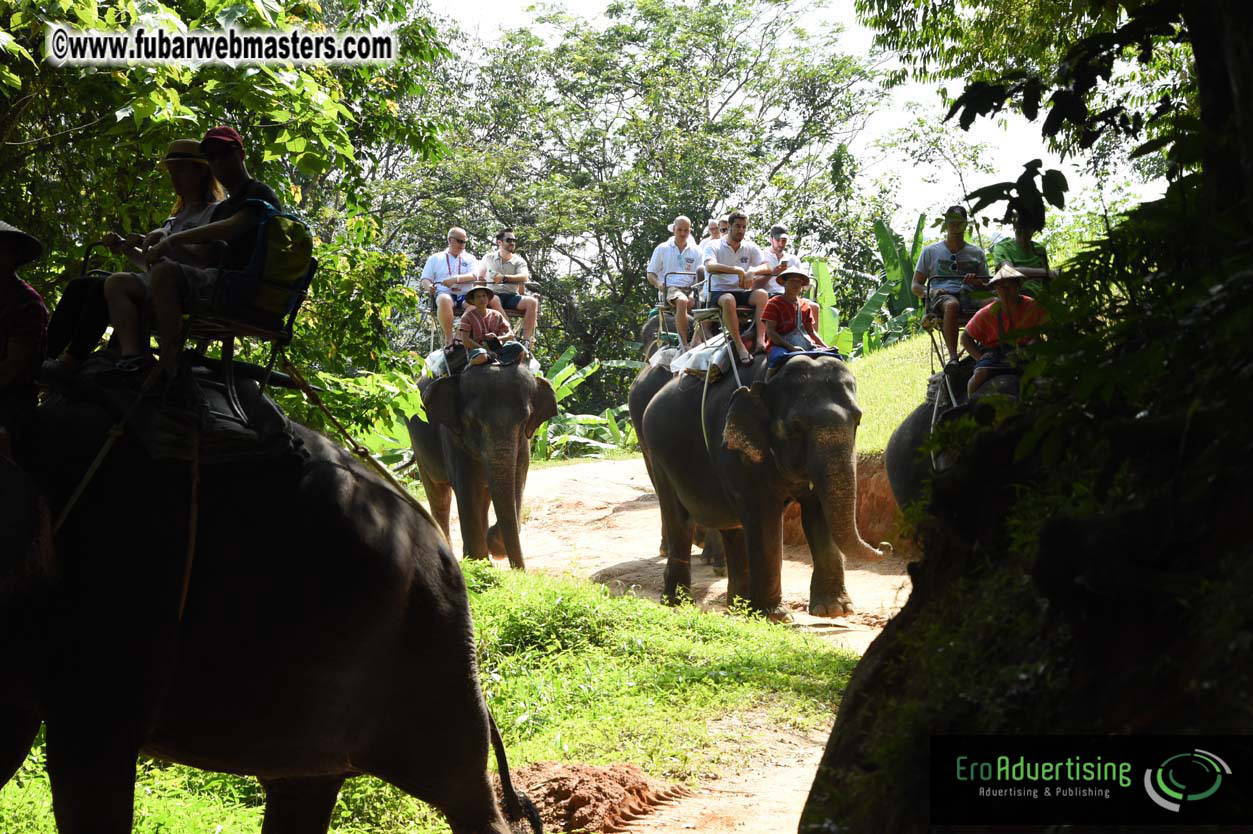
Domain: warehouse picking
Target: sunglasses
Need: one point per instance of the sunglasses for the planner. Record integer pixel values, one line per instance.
(456, 240)
(511, 240)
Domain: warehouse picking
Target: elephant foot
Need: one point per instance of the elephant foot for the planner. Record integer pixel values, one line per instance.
(715, 559)
(777, 614)
(496, 543)
(676, 596)
(836, 604)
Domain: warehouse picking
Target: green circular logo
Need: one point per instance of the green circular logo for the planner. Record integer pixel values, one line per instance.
(1185, 777)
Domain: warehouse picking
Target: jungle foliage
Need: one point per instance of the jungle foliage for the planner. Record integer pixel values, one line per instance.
(1070, 552)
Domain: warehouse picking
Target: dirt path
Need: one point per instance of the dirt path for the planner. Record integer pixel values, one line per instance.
(599, 520)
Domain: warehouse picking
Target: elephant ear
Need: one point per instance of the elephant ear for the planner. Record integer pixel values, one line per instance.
(543, 406)
(442, 401)
(747, 427)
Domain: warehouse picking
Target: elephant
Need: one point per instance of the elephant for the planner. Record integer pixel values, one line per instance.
(787, 438)
(645, 386)
(326, 629)
(908, 467)
(479, 423)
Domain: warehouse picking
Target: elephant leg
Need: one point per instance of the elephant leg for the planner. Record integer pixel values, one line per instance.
(827, 595)
(676, 531)
(472, 502)
(300, 806)
(736, 553)
(18, 729)
(455, 782)
(439, 496)
(713, 553)
(763, 534)
(91, 765)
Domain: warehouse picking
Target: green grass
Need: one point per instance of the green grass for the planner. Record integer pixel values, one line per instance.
(607, 454)
(890, 383)
(571, 673)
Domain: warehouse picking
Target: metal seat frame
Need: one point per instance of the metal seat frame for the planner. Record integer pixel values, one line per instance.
(222, 324)
(429, 310)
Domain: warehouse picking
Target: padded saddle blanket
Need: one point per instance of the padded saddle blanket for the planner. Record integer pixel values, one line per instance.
(194, 419)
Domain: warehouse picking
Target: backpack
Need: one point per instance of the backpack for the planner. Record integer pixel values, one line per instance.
(272, 282)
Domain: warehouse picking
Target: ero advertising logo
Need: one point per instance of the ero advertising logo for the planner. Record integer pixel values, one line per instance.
(1091, 780)
(1186, 777)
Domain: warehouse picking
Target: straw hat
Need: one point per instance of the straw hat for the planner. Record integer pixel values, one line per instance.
(793, 270)
(27, 247)
(184, 150)
(480, 285)
(1006, 272)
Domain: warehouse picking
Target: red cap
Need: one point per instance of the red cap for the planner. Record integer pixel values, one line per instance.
(224, 134)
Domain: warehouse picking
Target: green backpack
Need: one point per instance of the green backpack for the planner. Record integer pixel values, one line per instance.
(275, 278)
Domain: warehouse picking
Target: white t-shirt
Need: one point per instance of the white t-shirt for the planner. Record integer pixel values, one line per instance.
(746, 257)
(772, 286)
(668, 257)
(442, 265)
(937, 261)
(189, 219)
(709, 245)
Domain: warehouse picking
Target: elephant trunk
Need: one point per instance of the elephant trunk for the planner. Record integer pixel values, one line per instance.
(834, 474)
(504, 534)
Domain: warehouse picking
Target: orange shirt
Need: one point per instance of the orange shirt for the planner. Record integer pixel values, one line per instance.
(783, 313)
(993, 321)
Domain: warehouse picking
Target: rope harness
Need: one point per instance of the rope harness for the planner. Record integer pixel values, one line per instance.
(357, 449)
(193, 511)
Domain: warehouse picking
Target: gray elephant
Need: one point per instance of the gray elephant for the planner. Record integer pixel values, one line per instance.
(789, 438)
(908, 465)
(475, 442)
(650, 380)
(326, 631)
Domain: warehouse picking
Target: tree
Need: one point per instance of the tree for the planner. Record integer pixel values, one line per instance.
(591, 142)
(1169, 71)
(79, 145)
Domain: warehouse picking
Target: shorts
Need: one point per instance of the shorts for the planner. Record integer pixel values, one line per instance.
(676, 292)
(968, 302)
(997, 359)
(776, 356)
(509, 300)
(458, 301)
(741, 297)
(197, 285)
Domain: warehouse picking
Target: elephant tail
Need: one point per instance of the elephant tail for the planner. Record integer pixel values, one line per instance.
(518, 805)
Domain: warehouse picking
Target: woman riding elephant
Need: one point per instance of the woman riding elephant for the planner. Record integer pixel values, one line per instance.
(475, 442)
(734, 461)
(326, 630)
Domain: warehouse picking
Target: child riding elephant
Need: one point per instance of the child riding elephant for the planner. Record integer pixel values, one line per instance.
(484, 331)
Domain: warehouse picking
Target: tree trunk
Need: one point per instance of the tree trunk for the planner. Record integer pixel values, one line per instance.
(1220, 31)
